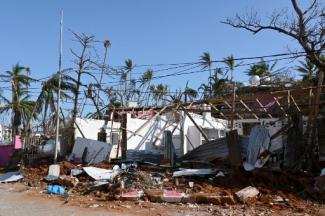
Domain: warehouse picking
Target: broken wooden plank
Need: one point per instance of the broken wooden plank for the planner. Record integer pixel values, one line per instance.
(216, 109)
(294, 102)
(230, 107)
(279, 105)
(264, 109)
(246, 107)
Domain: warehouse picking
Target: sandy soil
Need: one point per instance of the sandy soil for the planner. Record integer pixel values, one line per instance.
(18, 199)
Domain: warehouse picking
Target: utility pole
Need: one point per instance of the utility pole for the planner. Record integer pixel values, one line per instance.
(57, 144)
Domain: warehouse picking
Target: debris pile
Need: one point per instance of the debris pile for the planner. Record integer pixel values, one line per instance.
(205, 175)
(132, 181)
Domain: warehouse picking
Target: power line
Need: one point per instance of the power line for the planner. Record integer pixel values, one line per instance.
(183, 72)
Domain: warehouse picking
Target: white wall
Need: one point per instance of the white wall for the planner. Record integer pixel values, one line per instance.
(150, 137)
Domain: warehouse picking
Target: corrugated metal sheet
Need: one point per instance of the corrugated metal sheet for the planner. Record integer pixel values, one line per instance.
(144, 156)
(216, 149)
(208, 151)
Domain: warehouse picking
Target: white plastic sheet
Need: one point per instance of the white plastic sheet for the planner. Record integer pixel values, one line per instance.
(194, 172)
(99, 174)
(10, 177)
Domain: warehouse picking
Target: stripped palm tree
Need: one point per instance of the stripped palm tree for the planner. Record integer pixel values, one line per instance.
(47, 100)
(20, 105)
(160, 93)
(206, 63)
(190, 94)
(205, 90)
(145, 83)
(127, 72)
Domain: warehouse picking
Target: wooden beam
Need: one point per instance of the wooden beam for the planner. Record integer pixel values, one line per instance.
(196, 125)
(148, 121)
(112, 125)
(261, 105)
(188, 139)
(246, 107)
(279, 105)
(244, 97)
(164, 127)
(79, 129)
(216, 109)
(294, 102)
(235, 158)
(228, 105)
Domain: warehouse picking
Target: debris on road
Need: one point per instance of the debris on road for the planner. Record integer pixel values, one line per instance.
(55, 189)
(10, 177)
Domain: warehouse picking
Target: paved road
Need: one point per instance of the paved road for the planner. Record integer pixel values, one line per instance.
(18, 202)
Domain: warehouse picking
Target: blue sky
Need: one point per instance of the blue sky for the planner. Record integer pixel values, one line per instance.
(147, 31)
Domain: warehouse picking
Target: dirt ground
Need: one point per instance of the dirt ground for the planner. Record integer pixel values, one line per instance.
(18, 199)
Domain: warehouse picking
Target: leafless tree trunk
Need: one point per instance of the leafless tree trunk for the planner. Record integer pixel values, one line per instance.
(306, 26)
(83, 62)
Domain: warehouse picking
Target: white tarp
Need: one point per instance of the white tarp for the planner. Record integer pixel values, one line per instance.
(193, 172)
(96, 151)
(100, 174)
(10, 177)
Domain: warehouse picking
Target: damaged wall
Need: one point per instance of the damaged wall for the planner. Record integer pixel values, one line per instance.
(150, 137)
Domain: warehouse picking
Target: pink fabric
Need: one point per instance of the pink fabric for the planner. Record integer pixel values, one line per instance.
(172, 193)
(18, 144)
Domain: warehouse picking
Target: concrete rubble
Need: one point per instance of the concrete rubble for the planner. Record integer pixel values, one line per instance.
(197, 178)
(247, 193)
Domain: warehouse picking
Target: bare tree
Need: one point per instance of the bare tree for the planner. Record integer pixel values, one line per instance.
(306, 26)
(84, 66)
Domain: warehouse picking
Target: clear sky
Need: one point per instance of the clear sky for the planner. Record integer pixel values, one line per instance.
(147, 31)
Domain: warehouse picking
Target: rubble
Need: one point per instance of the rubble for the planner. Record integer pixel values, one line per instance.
(248, 192)
(203, 176)
(134, 183)
(100, 174)
(54, 172)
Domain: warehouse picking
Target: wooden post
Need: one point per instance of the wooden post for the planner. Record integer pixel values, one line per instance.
(112, 125)
(318, 93)
(288, 99)
(124, 135)
(233, 109)
(233, 142)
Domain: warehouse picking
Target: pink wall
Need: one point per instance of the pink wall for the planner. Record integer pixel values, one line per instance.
(5, 154)
(7, 150)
